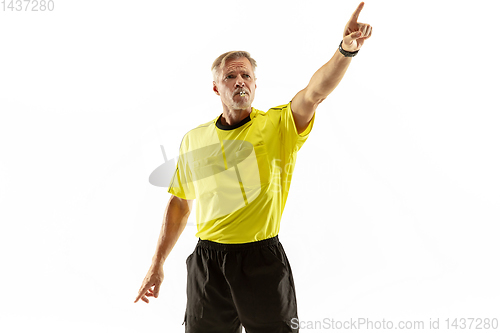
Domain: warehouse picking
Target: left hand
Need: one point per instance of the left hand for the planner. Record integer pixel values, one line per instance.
(351, 42)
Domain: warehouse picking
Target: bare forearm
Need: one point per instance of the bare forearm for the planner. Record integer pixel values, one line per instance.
(174, 222)
(327, 78)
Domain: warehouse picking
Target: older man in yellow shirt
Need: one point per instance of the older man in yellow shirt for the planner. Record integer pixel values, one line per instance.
(239, 168)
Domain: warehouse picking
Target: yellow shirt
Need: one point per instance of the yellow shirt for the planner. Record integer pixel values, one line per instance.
(240, 177)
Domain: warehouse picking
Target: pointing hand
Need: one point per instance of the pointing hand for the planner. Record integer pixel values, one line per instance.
(151, 284)
(355, 33)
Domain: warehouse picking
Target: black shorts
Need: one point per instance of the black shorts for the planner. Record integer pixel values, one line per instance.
(230, 285)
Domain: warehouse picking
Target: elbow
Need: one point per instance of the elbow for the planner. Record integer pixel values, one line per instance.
(314, 98)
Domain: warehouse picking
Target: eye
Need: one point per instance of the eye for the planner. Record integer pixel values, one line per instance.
(247, 75)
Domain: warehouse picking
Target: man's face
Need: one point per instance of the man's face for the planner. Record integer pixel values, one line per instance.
(236, 76)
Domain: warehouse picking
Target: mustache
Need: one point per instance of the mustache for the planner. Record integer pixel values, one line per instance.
(237, 92)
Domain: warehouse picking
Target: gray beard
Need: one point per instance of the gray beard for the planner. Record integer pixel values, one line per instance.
(242, 104)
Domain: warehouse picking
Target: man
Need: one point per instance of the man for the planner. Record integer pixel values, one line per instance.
(239, 167)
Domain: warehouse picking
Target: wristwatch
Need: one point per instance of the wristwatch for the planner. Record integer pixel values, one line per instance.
(347, 53)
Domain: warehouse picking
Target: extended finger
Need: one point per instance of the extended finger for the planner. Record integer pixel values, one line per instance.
(355, 15)
(141, 295)
(142, 292)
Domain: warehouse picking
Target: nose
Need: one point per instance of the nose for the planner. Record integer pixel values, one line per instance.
(240, 83)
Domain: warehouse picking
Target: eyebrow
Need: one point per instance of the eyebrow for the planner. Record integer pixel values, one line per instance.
(232, 71)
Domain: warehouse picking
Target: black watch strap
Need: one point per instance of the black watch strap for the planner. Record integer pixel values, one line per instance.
(347, 53)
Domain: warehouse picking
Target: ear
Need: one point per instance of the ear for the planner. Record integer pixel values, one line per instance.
(216, 89)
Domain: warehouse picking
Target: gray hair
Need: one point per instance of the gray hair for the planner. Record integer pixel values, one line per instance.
(220, 62)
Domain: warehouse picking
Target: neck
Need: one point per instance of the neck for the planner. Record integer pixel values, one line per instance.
(234, 116)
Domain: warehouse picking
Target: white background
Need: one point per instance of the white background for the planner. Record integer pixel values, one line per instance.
(393, 211)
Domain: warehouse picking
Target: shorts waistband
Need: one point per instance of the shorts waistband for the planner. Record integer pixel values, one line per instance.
(237, 247)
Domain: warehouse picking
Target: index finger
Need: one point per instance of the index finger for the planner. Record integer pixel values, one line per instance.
(355, 15)
(142, 292)
(139, 297)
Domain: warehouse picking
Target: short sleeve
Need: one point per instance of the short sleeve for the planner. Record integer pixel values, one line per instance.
(182, 185)
(290, 138)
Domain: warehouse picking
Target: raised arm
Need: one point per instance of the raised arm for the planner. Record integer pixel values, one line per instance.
(326, 79)
(174, 222)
